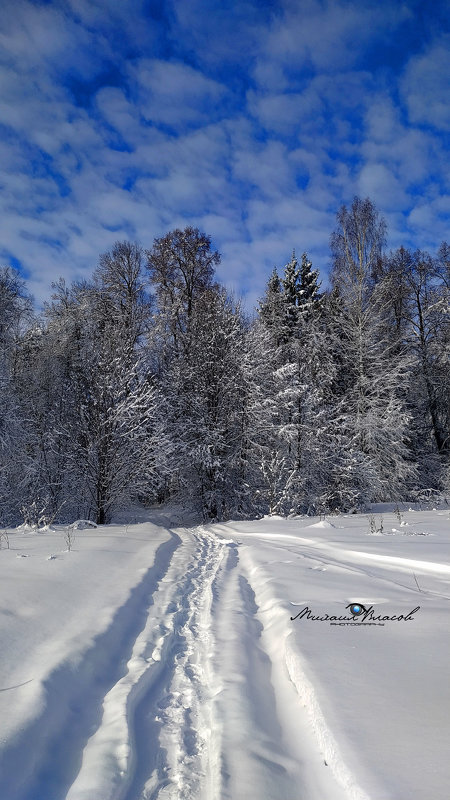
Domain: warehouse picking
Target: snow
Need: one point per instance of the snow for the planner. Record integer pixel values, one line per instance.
(81, 524)
(152, 661)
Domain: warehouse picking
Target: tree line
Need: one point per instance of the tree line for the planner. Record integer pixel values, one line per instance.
(150, 383)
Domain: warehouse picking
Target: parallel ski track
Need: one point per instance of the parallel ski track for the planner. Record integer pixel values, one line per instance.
(173, 727)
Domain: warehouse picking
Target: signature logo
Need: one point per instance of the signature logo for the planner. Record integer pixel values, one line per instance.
(356, 609)
(358, 615)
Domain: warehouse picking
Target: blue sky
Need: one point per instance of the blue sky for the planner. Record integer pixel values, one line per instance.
(252, 120)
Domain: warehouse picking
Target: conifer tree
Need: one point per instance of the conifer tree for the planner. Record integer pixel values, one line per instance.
(291, 294)
(271, 308)
(297, 373)
(308, 291)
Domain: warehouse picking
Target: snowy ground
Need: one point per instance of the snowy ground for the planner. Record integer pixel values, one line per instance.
(160, 662)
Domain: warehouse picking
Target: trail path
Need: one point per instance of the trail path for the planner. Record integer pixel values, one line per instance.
(197, 714)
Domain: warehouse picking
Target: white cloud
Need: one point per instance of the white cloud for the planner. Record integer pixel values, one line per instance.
(287, 113)
(328, 35)
(381, 185)
(265, 167)
(410, 152)
(174, 93)
(261, 163)
(426, 88)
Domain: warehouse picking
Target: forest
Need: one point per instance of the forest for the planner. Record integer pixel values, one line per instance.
(151, 383)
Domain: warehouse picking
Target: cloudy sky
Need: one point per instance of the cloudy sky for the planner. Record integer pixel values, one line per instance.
(251, 119)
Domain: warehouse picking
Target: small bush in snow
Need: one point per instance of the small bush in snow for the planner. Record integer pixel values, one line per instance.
(4, 538)
(373, 529)
(398, 514)
(69, 537)
(35, 514)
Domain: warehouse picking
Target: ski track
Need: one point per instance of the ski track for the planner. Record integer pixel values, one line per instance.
(167, 742)
(341, 559)
(152, 710)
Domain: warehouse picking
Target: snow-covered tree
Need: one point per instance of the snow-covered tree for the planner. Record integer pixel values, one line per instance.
(111, 427)
(121, 275)
(308, 288)
(271, 309)
(416, 291)
(181, 266)
(294, 370)
(323, 401)
(205, 391)
(15, 315)
(374, 419)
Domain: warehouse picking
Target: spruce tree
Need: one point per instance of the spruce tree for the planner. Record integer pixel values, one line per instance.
(308, 291)
(271, 309)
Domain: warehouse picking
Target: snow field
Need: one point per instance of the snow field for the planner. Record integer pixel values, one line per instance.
(152, 663)
(376, 697)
